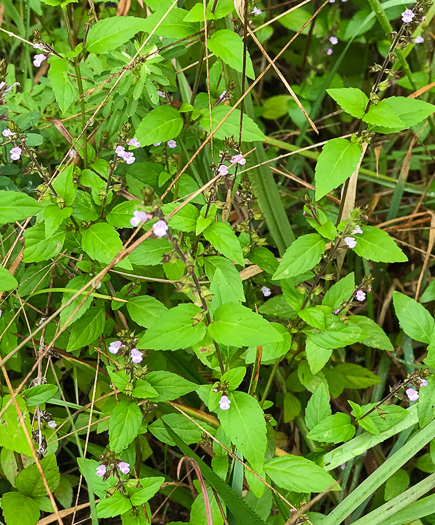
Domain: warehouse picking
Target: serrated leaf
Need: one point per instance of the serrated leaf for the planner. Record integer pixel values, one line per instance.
(414, 319)
(76, 283)
(150, 252)
(228, 46)
(169, 386)
(339, 292)
(12, 435)
(145, 310)
(38, 248)
(356, 376)
(110, 33)
(185, 429)
(231, 127)
(16, 206)
(101, 242)
(337, 334)
(29, 480)
(18, 508)
(39, 394)
(333, 429)
(383, 115)
(303, 254)
(125, 421)
(160, 125)
(377, 337)
(114, 505)
(121, 214)
(64, 90)
(351, 100)
(87, 329)
(222, 237)
(318, 407)
(410, 111)
(149, 487)
(376, 245)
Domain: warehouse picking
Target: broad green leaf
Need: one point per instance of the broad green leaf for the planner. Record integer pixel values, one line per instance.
(414, 319)
(236, 325)
(250, 133)
(309, 380)
(333, 429)
(186, 429)
(244, 424)
(150, 252)
(376, 245)
(228, 46)
(7, 280)
(229, 276)
(145, 310)
(339, 292)
(396, 485)
(149, 487)
(83, 207)
(114, 505)
(315, 316)
(101, 242)
(64, 185)
(356, 376)
(124, 424)
(12, 435)
(429, 294)
(222, 237)
(273, 350)
(278, 306)
(317, 356)
(53, 218)
(39, 394)
(303, 254)
(161, 124)
(426, 403)
(318, 407)
(264, 258)
(64, 90)
(37, 248)
(121, 214)
(16, 206)
(18, 508)
(169, 386)
(298, 474)
(87, 329)
(176, 329)
(383, 115)
(76, 283)
(276, 107)
(377, 337)
(143, 389)
(336, 163)
(351, 100)
(110, 33)
(409, 110)
(292, 407)
(337, 334)
(196, 14)
(185, 219)
(198, 514)
(88, 467)
(29, 480)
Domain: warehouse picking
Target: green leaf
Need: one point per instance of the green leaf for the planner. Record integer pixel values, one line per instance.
(185, 219)
(317, 356)
(264, 258)
(87, 329)
(145, 310)
(356, 376)
(335, 164)
(121, 214)
(333, 429)
(143, 389)
(53, 218)
(304, 253)
(169, 386)
(18, 508)
(231, 127)
(351, 100)
(376, 245)
(318, 407)
(273, 350)
(83, 207)
(222, 237)
(101, 242)
(64, 185)
(76, 283)
(16, 206)
(429, 294)
(230, 283)
(174, 330)
(88, 468)
(64, 90)
(110, 33)
(37, 248)
(113, 506)
(426, 403)
(383, 115)
(377, 337)
(298, 474)
(29, 480)
(277, 307)
(292, 407)
(337, 334)
(414, 319)
(244, 425)
(124, 424)
(228, 46)
(339, 292)
(397, 484)
(236, 325)
(150, 486)
(7, 280)
(409, 110)
(160, 125)
(12, 435)
(150, 252)
(37, 395)
(184, 428)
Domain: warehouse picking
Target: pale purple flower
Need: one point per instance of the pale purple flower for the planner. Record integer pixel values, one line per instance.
(38, 46)
(160, 228)
(52, 423)
(357, 230)
(129, 157)
(172, 144)
(332, 1)
(157, 144)
(266, 291)
(136, 356)
(224, 402)
(423, 382)
(223, 170)
(161, 94)
(38, 59)
(238, 159)
(407, 16)
(412, 394)
(350, 241)
(16, 153)
(419, 40)
(256, 11)
(336, 312)
(72, 153)
(329, 52)
(7, 133)
(124, 467)
(1, 313)
(222, 96)
(134, 142)
(120, 151)
(333, 40)
(344, 0)
(138, 217)
(101, 470)
(115, 346)
(360, 295)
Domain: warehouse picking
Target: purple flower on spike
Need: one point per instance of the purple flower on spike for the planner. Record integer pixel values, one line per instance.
(333, 40)
(52, 423)
(7, 133)
(101, 470)
(16, 153)
(114, 347)
(256, 11)
(120, 151)
(38, 59)
(129, 157)
(357, 230)
(360, 295)
(412, 394)
(238, 159)
(223, 170)
(329, 52)
(72, 153)
(266, 291)
(419, 40)
(38, 46)
(136, 356)
(332, 1)
(336, 312)
(160, 228)
(124, 467)
(407, 16)
(171, 144)
(134, 142)
(138, 217)
(350, 242)
(161, 94)
(423, 382)
(224, 402)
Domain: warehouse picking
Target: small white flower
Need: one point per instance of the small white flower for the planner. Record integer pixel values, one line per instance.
(52, 424)
(423, 382)
(114, 347)
(124, 467)
(224, 402)
(223, 170)
(138, 217)
(266, 291)
(333, 40)
(239, 159)
(72, 153)
(120, 151)
(136, 357)
(7, 133)
(16, 153)
(38, 59)
(407, 16)
(256, 11)
(160, 228)
(350, 241)
(134, 142)
(331, 1)
(129, 157)
(38, 46)
(419, 40)
(412, 394)
(171, 144)
(101, 470)
(357, 230)
(360, 296)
